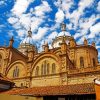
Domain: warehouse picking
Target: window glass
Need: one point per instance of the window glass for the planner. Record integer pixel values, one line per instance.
(37, 71)
(42, 69)
(81, 62)
(93, 62)
(48, 68)
(16, 72)
(53, 68)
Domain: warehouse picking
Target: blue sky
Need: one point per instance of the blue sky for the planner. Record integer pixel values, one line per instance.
(82, 18)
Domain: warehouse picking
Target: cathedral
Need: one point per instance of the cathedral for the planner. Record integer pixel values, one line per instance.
(66, 71)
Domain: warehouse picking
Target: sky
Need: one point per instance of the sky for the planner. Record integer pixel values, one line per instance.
(82, 19)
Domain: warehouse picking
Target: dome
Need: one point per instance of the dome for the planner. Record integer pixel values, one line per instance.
(56, 42)
(28, 39)
(27, 44)
(63, 35)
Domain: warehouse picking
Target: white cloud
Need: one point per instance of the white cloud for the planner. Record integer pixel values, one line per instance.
(25, 20)
(97, 47)
(2, 2)
(77, 35)
(64, 33)
(85, 3)
(10, 33)
(59, 16)
(52, 35)
(21, 20)
(48, 40)
(21, 33)
(91, 35)
(1, 26)
(13, 20)
(86, 23)
(66, 4)
(76, 14)
(21, 6)
(69, 26)
(94, 30)
(17, 26)
(36, 22)
(98, 7)
(42, 9)
(41, 32)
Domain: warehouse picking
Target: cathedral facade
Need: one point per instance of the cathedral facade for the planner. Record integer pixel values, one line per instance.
(67, 63)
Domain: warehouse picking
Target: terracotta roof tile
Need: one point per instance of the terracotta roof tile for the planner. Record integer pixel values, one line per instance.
(87, 88)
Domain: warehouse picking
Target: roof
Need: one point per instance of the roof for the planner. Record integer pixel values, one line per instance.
(87, 88)
(5, 79)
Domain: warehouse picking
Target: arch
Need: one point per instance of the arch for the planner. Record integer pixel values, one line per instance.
(58, 51)
(20, 72)
(41, 57)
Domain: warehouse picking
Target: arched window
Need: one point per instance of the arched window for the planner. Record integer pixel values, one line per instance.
(37, 71)
(93, 60)
(81, 62)
(53, 68)
(16, 72)
(48, 65)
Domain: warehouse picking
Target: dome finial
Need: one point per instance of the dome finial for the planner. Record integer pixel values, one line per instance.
(63, 27)
(29, 33)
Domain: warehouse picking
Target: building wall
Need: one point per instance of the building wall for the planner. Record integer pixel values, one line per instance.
(88, 53)
(82, 79)
(18, 97)
(30, 76)
(22, 82)
(46, 81)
